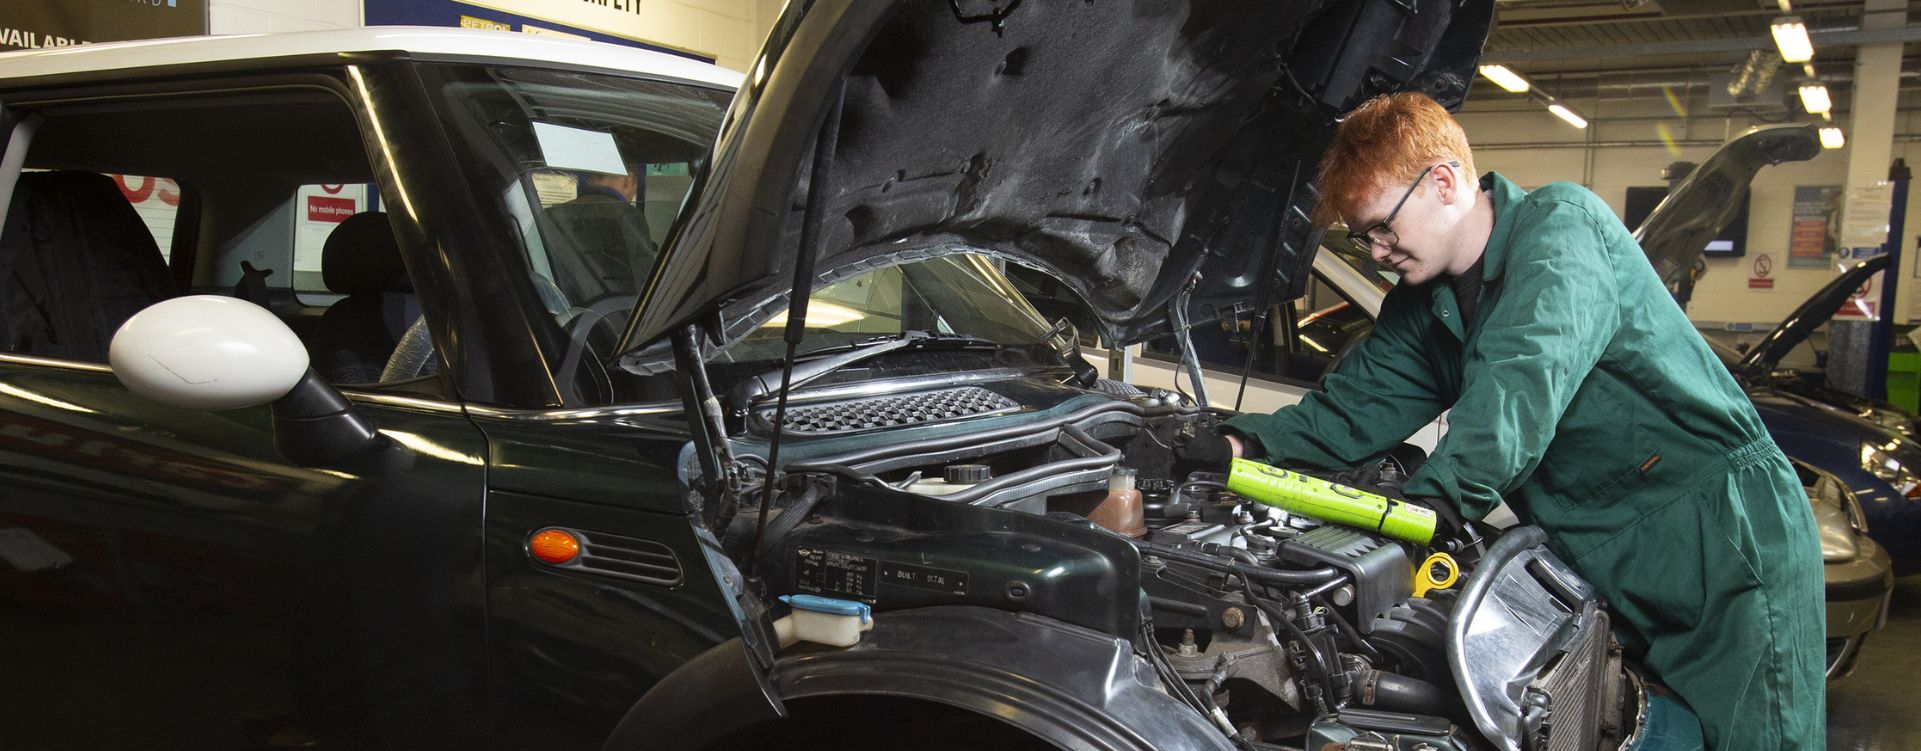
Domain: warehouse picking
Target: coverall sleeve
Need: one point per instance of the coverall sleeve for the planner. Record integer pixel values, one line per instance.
(1385, 391)
(1559, 311)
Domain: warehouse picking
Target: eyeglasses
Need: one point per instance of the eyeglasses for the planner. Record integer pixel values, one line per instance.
(1381, 235)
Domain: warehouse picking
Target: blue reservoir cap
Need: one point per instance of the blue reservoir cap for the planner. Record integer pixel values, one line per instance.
(829, 605)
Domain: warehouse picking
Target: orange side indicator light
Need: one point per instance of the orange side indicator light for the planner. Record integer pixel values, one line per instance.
(553, 546)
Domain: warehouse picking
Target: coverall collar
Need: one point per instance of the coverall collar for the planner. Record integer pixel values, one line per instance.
(1441, 298)
(1506, 196)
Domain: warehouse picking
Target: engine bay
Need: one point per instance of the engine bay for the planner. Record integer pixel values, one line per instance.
(1277, 627)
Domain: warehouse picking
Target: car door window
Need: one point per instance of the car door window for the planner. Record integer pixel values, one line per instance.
(275, 174)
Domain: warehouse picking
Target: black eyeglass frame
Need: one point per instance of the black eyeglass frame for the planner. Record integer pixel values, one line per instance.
(1365, 239)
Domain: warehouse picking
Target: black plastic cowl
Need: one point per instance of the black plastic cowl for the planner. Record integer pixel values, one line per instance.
(314, 425)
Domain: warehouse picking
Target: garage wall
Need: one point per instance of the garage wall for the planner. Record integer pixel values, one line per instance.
(1625, 146)
(730, 30)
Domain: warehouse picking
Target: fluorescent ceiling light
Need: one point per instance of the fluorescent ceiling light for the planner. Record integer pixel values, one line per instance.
(1504, 78)
(1814, 97)
(1831, 138)
(1791, 37)
(1561, 111)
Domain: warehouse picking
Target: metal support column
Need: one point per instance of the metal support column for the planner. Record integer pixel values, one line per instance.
(1881, 338)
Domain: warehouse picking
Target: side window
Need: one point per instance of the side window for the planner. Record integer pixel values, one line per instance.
(276, 173)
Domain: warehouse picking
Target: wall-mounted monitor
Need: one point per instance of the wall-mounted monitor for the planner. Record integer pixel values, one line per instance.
(1732, 242)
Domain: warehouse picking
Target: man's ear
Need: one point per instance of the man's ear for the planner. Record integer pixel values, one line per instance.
(1447, 179)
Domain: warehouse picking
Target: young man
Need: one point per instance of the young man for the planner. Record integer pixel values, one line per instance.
(1582, 395)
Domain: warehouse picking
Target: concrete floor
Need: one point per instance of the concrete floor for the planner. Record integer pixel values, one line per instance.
(1878, 708)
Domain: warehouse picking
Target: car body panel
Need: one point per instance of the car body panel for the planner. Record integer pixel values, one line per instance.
(1181, 127)
(176, 545)
(262, 50)
(1811, 314)
(1677, 232)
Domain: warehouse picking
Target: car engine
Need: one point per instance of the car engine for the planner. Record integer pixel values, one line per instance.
(1278, 627)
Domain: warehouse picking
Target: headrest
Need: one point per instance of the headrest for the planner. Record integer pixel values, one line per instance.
(362, 256)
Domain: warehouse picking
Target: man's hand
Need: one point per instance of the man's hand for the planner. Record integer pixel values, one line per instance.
(1210, 450)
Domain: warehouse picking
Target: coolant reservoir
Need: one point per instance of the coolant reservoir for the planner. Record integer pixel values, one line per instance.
(954, 478)
(1121, 511)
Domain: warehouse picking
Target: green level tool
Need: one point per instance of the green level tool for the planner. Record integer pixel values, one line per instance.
(1331, 502)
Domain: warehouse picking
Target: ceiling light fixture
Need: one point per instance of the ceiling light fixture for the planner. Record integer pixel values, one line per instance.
(1831, 138)
(1814, 97)
(1791, 38)
(1504, 78)
(1573, 118)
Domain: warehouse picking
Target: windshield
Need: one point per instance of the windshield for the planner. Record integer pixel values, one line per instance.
(591, 168)
(963, 295)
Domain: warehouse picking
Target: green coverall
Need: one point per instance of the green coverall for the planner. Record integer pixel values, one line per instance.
(1583, 396)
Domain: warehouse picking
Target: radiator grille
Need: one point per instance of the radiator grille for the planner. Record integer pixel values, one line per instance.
(894, 411)
(1574, 688)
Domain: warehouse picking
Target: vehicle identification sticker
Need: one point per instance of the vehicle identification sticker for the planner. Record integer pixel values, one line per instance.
(825, 571)
(924, 577)
(859, 577)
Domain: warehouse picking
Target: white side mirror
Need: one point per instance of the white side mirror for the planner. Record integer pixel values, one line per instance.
(207, 352)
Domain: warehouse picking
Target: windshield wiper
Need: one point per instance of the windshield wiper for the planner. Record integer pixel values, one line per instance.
(743, 395)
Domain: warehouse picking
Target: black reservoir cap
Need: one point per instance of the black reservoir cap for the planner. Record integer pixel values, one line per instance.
(969, 474)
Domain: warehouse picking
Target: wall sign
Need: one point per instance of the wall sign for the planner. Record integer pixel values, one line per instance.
(1760, 271)
(614, 21)
(1816, 229)
(33, 24)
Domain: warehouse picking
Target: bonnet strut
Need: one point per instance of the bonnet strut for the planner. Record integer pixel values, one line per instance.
(818, 185)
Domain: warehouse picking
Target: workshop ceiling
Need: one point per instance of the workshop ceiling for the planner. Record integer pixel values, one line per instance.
(1586, 45)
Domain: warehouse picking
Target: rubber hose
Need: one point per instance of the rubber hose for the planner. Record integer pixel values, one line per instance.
(1394, 692)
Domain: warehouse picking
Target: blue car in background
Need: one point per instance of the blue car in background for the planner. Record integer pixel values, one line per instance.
(1869, 445)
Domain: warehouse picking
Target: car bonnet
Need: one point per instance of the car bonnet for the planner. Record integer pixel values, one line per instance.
(1132, 150)
(1815, 311)
(1677, 232)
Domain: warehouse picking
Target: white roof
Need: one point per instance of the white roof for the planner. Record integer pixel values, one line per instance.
(502, 45)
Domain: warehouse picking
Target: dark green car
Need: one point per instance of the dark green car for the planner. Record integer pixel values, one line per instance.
(419, 389)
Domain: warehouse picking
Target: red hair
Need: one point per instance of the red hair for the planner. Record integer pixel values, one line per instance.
(1387, 141)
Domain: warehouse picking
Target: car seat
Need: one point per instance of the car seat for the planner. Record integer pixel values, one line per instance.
(76, 261)
(357, 334)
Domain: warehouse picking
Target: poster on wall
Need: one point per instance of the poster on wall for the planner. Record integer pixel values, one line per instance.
(33, 24)
(613, 21)
(1864, 215)
(1815, 232)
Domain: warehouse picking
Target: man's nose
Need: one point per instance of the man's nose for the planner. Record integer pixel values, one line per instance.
(1378, 251)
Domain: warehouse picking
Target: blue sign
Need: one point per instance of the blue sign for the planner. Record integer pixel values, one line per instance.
(458, 14)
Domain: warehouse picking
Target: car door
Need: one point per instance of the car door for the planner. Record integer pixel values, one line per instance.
(167, 578)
